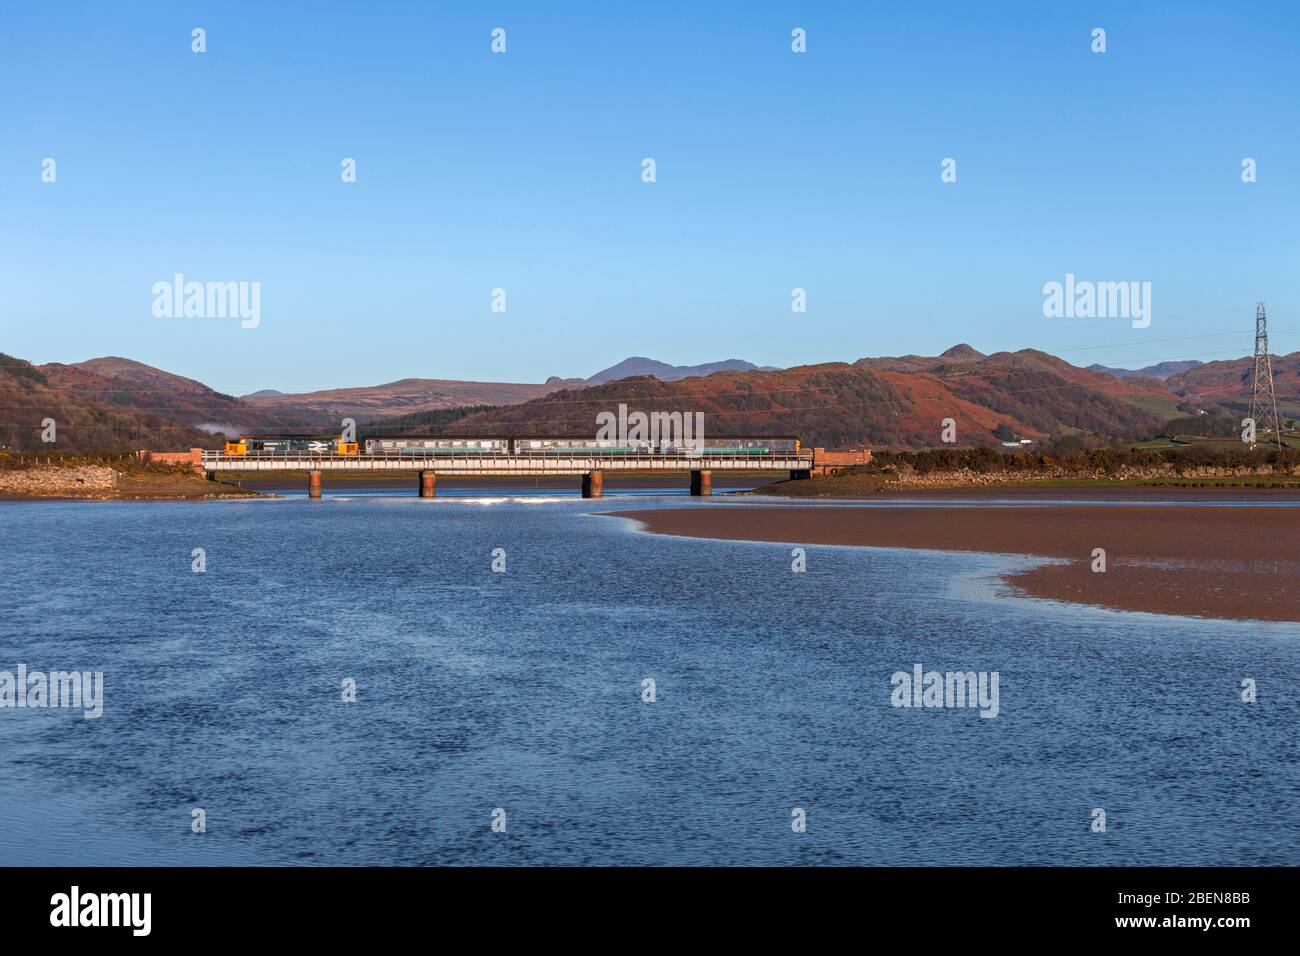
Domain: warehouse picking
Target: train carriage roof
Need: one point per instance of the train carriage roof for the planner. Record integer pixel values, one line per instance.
(436, 437)
(290, 437)
(589, 437)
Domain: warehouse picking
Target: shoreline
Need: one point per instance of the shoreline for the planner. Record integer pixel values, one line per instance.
(10, 498)
(241, 486)
(1107, 491)
(1209, 562)
(123, 481)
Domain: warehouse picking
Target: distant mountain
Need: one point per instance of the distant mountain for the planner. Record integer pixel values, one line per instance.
(915, 363)
(963, 353)
(1161, 370)
(130, 384)
(638, 365)
(1231, 380)
(325, 409)
(409, 396)
(900, 401)
(874, 401)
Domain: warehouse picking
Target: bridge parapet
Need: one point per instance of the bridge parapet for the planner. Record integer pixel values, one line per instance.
(506, 465)
(829, 462)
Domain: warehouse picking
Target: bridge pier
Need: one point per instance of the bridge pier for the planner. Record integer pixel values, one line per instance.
(701, 483)
(802, 474)
(428, 484)
(313, 484)
(593, 484)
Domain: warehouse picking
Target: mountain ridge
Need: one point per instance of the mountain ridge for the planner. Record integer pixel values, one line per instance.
(640, 365)
(900, 401)
(889, 400)
(1160, 370)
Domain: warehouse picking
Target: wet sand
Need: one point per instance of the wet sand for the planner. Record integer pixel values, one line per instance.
(1203, 561)
(1093, 492)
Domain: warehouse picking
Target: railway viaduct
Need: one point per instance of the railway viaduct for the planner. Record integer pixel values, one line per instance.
(591, 469)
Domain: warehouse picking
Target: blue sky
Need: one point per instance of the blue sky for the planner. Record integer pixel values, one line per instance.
(522, 171)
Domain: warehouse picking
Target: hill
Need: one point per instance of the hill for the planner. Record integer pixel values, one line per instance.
(411, 396)
(897, 401)
(324, 409)
(129, 384)
(1161, 370)
(638, 365)
(1231, 380)
(82, 423)
(892, 402)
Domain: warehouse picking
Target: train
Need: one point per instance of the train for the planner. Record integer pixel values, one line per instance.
(397, 446)
(310, 445)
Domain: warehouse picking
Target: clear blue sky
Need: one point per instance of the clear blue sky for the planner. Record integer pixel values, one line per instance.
(522, 171)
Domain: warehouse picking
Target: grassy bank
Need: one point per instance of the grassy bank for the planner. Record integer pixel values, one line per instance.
(1230, 467)
(860, 486)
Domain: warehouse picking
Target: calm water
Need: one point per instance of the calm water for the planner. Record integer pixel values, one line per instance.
(523, 691)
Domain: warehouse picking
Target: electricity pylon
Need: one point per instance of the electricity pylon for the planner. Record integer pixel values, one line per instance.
(1262, 400)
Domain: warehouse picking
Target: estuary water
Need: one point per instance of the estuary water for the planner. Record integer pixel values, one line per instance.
(520, 697)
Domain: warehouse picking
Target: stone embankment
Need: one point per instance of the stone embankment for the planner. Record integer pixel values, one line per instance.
(80, 481)
(127, 481)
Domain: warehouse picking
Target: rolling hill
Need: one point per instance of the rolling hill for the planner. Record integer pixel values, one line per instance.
(325, 409)
(897, 401)
(1161, 370)
(1226, 385)
(638, 365)
(129, 384)
(1230, 380)
(879, 401)
(410, 396)
(82, 423)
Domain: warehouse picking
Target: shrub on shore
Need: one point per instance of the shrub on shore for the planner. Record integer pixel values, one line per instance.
(983, 460)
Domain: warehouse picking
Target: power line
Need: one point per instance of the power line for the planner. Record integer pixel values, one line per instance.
(1262, 398)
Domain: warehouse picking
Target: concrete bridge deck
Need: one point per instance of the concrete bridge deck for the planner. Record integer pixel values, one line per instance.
(590, 468)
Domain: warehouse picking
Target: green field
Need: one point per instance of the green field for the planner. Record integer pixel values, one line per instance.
(1164, 443)
(1164, 407)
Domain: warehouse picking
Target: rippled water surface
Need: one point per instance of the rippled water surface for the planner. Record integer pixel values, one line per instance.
(522, 691)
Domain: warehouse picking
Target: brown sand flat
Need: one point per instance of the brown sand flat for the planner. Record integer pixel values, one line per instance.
(1203, 561)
